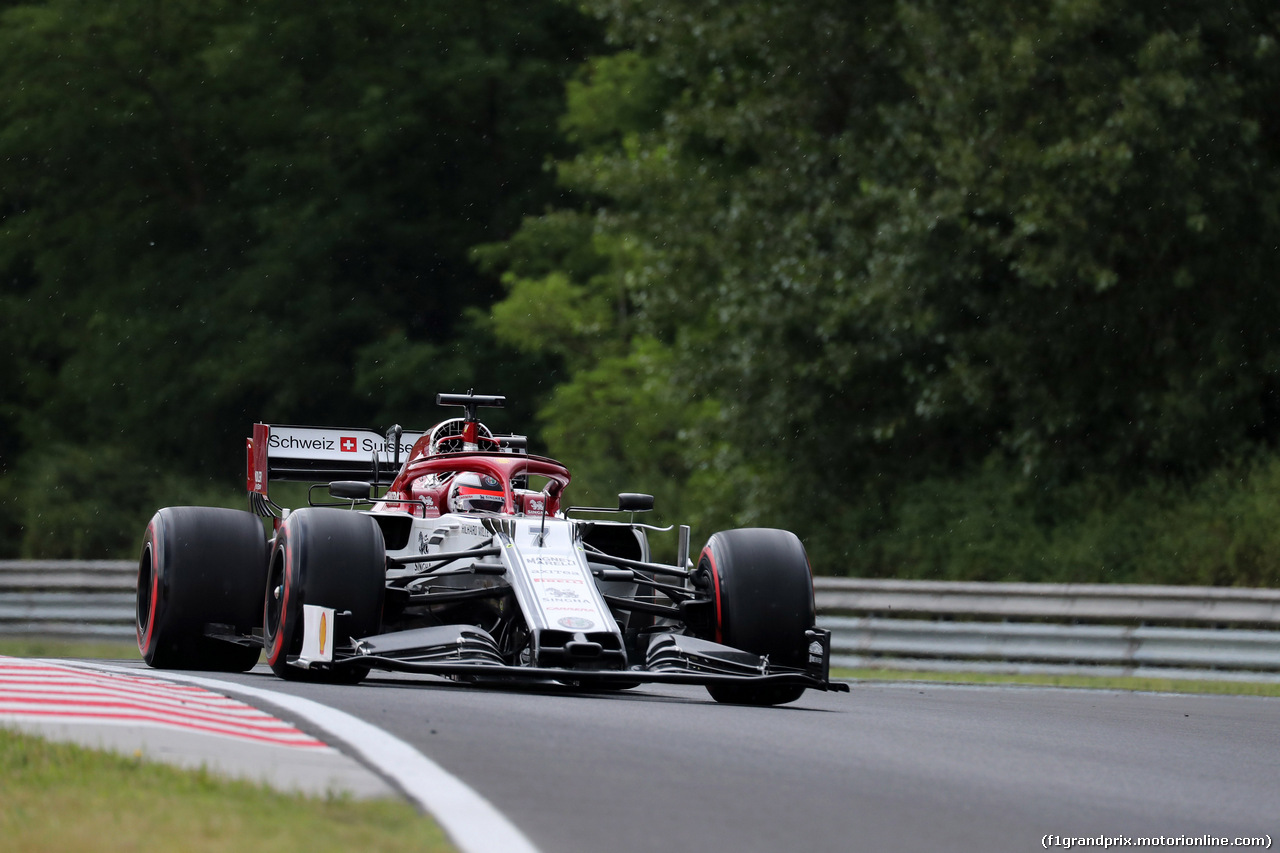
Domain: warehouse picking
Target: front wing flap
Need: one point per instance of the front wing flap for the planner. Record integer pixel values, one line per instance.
(587, 676)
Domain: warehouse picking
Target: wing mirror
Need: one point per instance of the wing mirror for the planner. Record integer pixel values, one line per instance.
(354, 490)
(634, 502)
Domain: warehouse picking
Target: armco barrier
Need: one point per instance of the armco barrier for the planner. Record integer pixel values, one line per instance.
(861, 642)
(1193, 631)
(86, 599)
(1201, 605)
(914, 624)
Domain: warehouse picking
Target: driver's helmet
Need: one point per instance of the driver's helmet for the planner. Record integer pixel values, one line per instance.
(471, 492)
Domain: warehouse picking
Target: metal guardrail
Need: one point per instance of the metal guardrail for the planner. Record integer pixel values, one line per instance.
(84, 599)
(1062, 602)
(1181, 631)
(874, 623)
(859, 642)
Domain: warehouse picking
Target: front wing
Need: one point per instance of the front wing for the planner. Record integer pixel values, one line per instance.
(467, 652)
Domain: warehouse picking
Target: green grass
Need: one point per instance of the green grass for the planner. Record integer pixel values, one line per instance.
(120, 804)
(60, 797)
(38, 647)
(35, 647)
(1096, 682)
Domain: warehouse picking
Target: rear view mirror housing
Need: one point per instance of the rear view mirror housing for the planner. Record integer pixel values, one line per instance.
(634, 502)
(355, 490)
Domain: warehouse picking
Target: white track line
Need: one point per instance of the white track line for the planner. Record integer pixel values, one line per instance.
(471, 821)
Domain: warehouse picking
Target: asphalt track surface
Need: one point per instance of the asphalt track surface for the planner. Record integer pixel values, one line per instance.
(885, 768)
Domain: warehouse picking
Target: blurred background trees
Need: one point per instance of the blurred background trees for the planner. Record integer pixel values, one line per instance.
(215, 213)
(957, 289)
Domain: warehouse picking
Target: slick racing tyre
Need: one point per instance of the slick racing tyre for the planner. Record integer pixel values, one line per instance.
(762, 592)
(200, 566)
(331, 558)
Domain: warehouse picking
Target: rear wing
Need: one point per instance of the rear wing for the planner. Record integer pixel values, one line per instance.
(310, 454)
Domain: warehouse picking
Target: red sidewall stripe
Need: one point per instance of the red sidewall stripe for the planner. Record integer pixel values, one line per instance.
(277, 642)
(153, 537)
(715, 586)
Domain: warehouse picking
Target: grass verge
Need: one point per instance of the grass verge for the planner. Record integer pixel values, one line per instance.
(40, 647)
(61, 797)
(1097, 682)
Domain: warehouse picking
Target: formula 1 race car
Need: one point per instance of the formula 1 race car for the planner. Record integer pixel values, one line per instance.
(467, 567)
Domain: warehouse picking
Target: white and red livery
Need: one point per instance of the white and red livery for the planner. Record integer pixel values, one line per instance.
(452, 552)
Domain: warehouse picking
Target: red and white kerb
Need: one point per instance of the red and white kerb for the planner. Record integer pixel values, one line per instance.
(48, 692)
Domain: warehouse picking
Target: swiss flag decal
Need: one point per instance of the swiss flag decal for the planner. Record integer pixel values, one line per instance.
(347, 444)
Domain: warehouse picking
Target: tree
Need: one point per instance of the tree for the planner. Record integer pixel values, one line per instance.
(893, 241)
(212, 215)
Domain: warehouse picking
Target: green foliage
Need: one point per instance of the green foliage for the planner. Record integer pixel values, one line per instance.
(552, 315)
(620, 427)
(391, 377)
(614, 98)
(890, 244)
(91, 502)
(210, 216)
(1091, 197)
(997, 525)
(952, 289)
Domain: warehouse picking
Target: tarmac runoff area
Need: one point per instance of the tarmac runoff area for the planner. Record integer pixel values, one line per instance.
(176, 723)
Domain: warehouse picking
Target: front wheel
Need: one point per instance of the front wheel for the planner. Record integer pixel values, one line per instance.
(330, 558)
(762, 590)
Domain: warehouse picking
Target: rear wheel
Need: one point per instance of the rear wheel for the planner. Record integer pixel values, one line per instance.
(762, 592)
(200, 567)
(330, 558)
